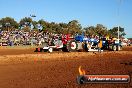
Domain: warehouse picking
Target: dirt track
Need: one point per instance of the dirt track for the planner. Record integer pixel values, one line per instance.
(23, 68)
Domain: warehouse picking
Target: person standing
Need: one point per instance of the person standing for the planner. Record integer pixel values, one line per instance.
(100, 45)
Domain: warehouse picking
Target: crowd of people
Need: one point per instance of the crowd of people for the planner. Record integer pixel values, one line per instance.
(19, 37)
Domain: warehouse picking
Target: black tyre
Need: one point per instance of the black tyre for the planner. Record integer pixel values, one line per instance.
(114, 47)
(119, 48)
(71, 46)
(50, 50)
(36, 50)
(85, 47)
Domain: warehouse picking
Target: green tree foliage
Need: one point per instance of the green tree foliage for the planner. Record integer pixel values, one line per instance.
(71, 27)
(34, 23)
(8, 23)
(25, 23)
(99, 29)
(74, 27)
(64, 28)
(90, 30)
(43, 23)
(114, 32)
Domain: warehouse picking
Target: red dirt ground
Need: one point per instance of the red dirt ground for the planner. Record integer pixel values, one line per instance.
(23, 68)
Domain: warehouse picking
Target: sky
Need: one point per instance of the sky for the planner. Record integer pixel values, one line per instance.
(110, 13)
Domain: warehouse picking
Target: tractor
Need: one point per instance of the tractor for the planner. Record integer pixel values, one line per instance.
(86, 44)
(91, 44)
(64, 43)
(67, 43)
(113, 44)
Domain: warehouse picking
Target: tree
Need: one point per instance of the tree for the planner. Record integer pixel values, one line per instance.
(74, 27)
(89, 30)
(8, 23)
(26, 23)
(34, 23)
(43, 23)
(63, 28)
(114, 32)
(99, 30)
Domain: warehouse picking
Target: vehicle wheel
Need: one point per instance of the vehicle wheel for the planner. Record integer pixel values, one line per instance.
(64, 49)
(114, 48)
(118, 48)
(85, 47)
(71, 46)
(36, 50)
(50, 50)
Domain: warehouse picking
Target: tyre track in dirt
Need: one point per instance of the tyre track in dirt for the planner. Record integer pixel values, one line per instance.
(59, 70)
